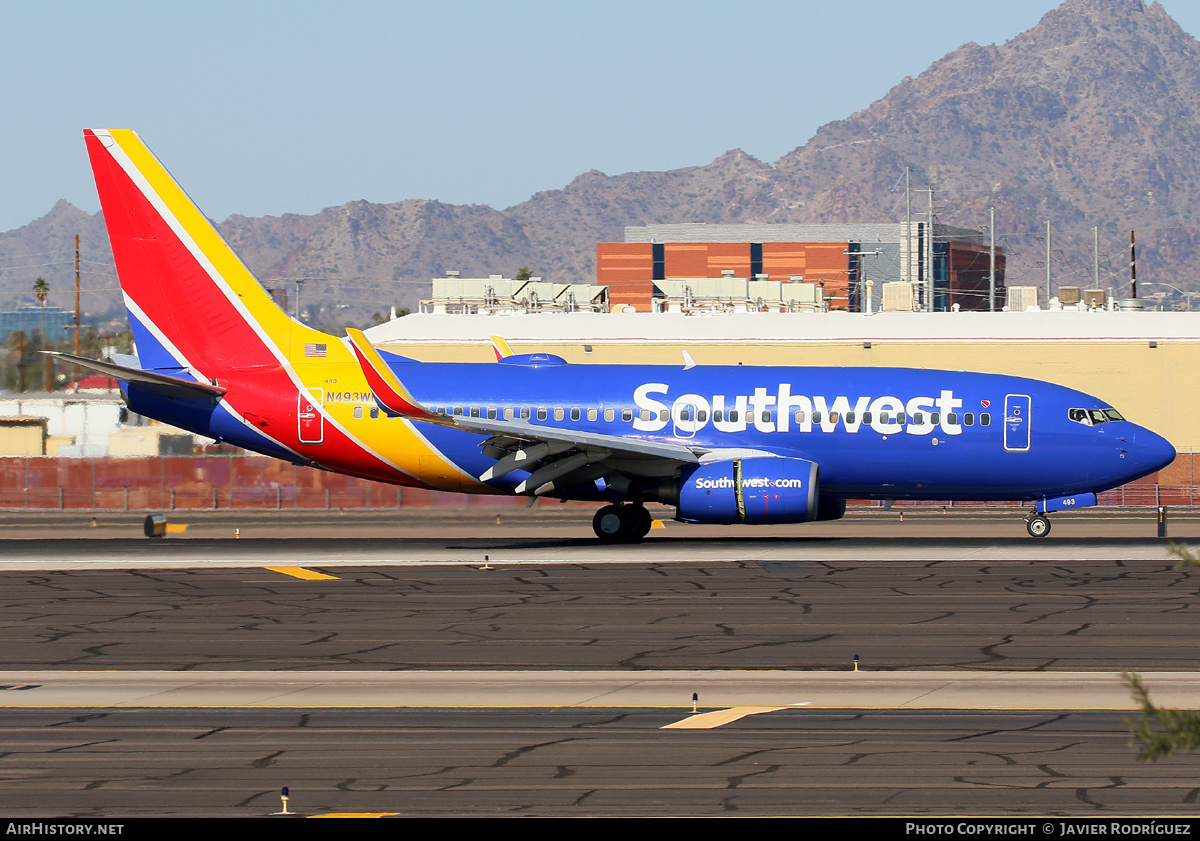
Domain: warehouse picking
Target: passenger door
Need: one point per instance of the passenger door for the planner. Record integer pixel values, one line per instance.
(1018, 415)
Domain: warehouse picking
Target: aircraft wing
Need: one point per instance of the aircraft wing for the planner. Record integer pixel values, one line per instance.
(558, 457)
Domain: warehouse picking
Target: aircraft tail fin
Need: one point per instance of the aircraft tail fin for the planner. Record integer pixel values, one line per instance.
(193, 305)
(500, 348)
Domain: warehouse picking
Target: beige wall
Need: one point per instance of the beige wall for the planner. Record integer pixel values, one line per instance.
(22, 436)
(1151, 386)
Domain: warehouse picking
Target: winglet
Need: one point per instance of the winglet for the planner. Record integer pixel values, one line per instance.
(389, 392)
(501, 348)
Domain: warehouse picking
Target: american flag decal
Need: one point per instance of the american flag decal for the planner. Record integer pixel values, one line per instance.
(314, 349)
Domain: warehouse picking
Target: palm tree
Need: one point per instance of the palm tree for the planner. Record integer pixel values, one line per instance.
(41, 291)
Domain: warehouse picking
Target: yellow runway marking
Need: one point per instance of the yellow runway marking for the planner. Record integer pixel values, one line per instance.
(356, 815)
(301, 572)
(707, 721)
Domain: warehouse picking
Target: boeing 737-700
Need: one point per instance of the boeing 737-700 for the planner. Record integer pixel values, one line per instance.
(721, 444)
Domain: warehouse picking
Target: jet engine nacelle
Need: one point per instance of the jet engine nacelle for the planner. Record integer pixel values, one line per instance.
(751, 490)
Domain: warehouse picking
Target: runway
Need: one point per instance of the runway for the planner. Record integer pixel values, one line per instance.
(609, 689)
(208, 763)
(374, 673)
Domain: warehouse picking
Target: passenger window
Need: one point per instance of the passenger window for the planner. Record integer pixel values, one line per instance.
(766, 416)
(559, 414)
(816, 417)
(627, 415)
(541, 414)
(491, 413)
(685, 414)
(849, 417)
(902, 419)
(508, 413)
(701, 416)
(592, 414)
(474, 411)
(718, 415)
(644, 415)
(952, 419)
(867, 418)
(935, 418)
(524, 413)
(358, 412)
(575, 415)
(969, 419)
(985, 419)
(733, 415)
(664, 415)
(749, 417)
(918, 418)
(834, 417)
(374, 412)
(458, 410)
(799, 417)
(609, 415)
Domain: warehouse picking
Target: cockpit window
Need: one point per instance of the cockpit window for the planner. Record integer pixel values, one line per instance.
(1094, 417)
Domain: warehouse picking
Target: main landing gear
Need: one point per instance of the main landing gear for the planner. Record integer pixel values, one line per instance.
(1038, 525)
(622, 523)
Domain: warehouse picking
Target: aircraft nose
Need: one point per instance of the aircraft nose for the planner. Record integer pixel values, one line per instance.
(1150, 450)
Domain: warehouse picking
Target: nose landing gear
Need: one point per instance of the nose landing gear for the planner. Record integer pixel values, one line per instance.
(622, 523)
(1038, 525)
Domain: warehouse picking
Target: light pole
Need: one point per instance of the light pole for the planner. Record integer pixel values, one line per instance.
(1187, 296)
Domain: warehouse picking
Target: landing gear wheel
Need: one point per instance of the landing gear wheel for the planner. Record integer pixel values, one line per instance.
(621, 523)
(642, 522)
(611, 524)
(1037, 525)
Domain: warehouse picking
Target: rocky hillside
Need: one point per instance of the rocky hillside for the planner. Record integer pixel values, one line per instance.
(1091, 118)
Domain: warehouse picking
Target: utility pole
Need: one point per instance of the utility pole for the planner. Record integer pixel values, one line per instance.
(1047, 261)
(908, 255)
(1096, 256)
(77, 295)
(992, 266)
(75, 370)
(929, 304)
(1133, 263)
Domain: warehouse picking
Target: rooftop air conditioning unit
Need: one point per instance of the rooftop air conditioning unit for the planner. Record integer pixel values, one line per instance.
(1068, 295)
(898, 296)
(1021, 298)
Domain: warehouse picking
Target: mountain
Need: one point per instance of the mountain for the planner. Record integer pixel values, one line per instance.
(1090, 118)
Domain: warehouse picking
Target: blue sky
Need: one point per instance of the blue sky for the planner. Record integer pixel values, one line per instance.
(271, 107)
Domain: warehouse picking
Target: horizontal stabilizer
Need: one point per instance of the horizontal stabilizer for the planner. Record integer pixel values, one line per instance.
(162, 383)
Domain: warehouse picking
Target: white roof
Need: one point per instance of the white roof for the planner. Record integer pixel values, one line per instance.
(768, 327)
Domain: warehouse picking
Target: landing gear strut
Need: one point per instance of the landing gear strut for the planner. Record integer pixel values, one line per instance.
(621, 523)
(1038, 525)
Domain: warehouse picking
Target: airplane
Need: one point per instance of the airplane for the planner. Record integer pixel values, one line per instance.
(723, 444)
